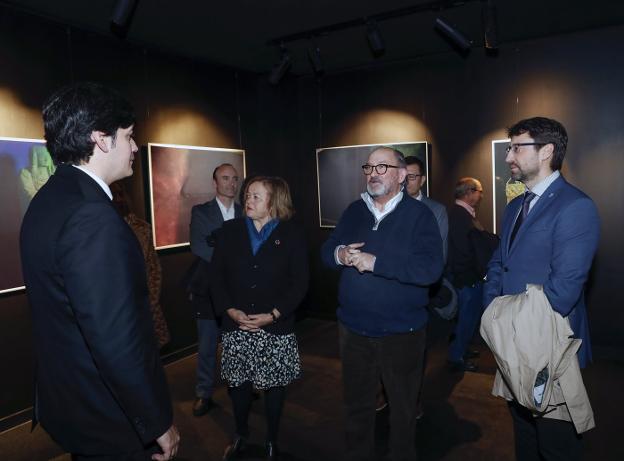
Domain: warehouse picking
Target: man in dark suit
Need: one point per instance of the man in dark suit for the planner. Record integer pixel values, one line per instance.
(463, 270)
(549, 237)
(206, 220)
(100, 389)
(415, 179)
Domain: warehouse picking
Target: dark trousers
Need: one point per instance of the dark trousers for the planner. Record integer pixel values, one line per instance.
(397, 360)
(241, 397)
(207, 342)
(544, 439)
(470, 309)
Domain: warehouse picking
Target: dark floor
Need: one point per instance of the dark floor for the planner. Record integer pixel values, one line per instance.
(462, 420)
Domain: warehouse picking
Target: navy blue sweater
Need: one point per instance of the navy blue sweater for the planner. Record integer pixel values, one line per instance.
(393, 298)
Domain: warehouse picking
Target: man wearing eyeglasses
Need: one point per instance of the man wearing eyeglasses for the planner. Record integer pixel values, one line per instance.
(388, 249)
(549, 237)
(464, 271)
(414, 181)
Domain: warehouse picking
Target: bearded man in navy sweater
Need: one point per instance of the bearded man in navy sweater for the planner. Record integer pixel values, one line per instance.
(388, 249)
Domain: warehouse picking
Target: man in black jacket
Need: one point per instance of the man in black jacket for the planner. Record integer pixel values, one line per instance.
(100, 389)
(464, 270)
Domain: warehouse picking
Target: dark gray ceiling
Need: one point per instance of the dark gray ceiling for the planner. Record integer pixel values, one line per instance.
(235, 32)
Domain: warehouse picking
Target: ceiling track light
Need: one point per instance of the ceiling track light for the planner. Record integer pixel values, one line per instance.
(316, 61)
(121, 17)
(280, 69)
(490, 26)
(454, 36)
(375, 39)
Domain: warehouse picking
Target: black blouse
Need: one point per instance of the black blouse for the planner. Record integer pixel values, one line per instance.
(276, 277)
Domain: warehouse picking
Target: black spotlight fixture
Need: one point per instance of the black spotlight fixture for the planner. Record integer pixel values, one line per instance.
(375, 40)
(490, 27)
(280, 69)
(316, 62)
(121, 17)
(454, 36)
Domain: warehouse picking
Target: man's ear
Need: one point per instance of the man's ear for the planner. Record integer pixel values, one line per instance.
(546, 152)
(99, 138)
(402, 174)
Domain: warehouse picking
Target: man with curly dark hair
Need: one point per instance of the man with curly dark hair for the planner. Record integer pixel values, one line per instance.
(101, 392)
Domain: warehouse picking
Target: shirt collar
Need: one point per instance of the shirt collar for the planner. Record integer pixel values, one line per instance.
(97, 179)
(224, 211)
(419, 197)
(467, 207)
(388, 207)
(545, 183)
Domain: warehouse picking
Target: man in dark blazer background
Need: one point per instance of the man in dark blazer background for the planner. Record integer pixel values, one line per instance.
(100, 389)
(415, 179)
(464, 271)
(549, 237)
(206, 220)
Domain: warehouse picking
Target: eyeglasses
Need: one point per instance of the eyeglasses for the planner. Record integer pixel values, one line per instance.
(413, 177)
(516, 147)
(380, 168)
(474, 189)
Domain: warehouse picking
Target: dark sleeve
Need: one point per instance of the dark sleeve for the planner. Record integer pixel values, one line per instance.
(493, 279)
(202, 228)
(575, 240)
(219, 290)
(336, 238)
(298, 275)
(418, 259)
(104, 275)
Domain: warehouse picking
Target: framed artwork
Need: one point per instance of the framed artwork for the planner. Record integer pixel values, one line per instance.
(340, 178)
(25, 166)
(180, 177)
(505, 189)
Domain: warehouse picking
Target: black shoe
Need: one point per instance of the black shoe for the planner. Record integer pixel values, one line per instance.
(235, 449)
(472, 354)
(462, 365)
(202, 406)
(271, 452)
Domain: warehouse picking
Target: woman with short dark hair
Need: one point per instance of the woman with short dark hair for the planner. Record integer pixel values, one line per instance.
(260, 275)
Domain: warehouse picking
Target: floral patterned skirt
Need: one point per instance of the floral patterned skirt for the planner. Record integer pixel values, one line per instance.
(265, 359)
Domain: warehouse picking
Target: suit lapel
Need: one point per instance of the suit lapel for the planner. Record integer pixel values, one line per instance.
(90, 189)
(544, 203)
(214, 212)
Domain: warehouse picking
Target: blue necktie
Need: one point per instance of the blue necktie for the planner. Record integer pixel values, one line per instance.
(526, 203)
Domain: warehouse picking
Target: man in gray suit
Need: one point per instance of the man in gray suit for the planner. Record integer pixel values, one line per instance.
(206, 220)
(414, 181)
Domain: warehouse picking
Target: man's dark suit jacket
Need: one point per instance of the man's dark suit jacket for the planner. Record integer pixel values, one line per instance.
(206, 220)
(99, 383)
(275, 277)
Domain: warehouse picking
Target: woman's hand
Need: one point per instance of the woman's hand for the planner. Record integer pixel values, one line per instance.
(257, 321)
(238, 316)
